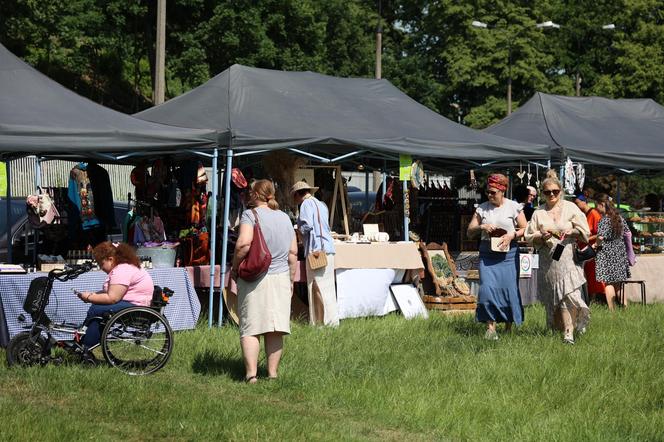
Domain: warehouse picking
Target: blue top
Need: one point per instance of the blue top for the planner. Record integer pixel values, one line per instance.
(311, 229)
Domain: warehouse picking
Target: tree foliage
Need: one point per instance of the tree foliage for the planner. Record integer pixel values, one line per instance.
(104, 49)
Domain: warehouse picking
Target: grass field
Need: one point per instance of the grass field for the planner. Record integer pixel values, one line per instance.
(370, 379)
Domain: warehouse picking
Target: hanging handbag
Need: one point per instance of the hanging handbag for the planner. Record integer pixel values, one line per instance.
(627, 238)
(583, 255)
(258, 260)
(318, 258)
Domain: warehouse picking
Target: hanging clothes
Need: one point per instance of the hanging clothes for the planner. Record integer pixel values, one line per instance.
(81, 195)
(101, 189)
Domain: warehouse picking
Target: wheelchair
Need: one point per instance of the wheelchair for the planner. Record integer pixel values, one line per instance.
(135, 340)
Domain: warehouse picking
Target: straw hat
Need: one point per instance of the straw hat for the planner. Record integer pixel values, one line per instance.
(302, 185)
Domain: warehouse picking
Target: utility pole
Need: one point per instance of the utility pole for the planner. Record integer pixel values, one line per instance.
(379, 43)
(377, 176)
(160, 54)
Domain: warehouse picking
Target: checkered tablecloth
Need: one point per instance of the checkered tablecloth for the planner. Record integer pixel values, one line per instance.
(182, 311)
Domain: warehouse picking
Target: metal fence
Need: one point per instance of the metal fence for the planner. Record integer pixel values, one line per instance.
(55, 173)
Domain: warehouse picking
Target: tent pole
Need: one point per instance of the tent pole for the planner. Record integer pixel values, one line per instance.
(224, 244)
(38, 185)
(366, 189)
(405, 210)
(213, 233)
(8, 169)
(384, 184)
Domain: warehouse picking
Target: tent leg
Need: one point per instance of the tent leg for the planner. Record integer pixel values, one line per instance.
(8, 168)
(405, 210)
(366, 190)
(224, 244)
(38, 185)
(384, 184)
(213, 233)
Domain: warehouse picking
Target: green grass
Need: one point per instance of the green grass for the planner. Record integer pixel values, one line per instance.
(370, 379)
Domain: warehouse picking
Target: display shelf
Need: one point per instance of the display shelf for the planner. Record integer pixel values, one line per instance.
(647, 232)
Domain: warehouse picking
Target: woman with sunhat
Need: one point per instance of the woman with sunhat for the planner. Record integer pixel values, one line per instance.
(313, 225)
(499, 299)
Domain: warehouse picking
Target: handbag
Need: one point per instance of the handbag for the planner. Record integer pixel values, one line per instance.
(583, 255)
(258, 260)
(627, 238)
(318, 259)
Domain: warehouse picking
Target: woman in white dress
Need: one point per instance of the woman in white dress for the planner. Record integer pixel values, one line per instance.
(559, 223)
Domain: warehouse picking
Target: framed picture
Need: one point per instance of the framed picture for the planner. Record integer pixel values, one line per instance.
(409, 301)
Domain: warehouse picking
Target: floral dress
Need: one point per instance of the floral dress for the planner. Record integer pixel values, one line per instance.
(611, 260)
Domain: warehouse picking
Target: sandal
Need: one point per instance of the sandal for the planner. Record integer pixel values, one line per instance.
(251, 379)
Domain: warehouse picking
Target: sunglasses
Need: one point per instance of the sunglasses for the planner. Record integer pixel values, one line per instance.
(553, 192)
(491, 192)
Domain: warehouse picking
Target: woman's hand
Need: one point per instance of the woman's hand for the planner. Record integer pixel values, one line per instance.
(546, 235)
(488, 228)
(84, 296)
(505, 240)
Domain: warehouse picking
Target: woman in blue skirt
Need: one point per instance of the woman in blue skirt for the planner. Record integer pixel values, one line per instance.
(501, 218)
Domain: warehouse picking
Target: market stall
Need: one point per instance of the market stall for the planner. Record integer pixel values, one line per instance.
(330, 120)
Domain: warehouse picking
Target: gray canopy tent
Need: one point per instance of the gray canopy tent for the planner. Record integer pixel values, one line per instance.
(330, 119)
(40, 117)
(624, 134)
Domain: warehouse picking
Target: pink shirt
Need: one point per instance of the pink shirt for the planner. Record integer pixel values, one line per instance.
(138, 282)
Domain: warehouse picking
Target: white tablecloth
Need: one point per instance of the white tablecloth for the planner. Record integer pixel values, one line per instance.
(366, 292)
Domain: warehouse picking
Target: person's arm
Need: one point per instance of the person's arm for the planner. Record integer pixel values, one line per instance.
(305, 222)
(474, 228)
(292, 259)
(580, 229)
(521, 225)
(114, 295)
(242, 246)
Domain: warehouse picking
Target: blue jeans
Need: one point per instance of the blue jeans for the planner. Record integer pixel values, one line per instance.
(93, 334)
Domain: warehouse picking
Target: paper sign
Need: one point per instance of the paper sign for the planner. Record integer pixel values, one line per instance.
(405, 164)
(526, 266)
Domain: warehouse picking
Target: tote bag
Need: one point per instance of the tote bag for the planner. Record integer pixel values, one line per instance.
(258, 260)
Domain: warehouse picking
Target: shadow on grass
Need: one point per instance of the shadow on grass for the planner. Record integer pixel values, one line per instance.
(215, 364)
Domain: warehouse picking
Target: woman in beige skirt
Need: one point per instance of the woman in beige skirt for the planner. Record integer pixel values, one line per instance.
(264, 304)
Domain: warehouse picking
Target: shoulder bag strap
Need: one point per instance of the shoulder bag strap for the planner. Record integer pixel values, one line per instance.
(257, 224)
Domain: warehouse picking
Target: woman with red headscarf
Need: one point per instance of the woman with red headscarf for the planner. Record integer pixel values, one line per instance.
(498, 299)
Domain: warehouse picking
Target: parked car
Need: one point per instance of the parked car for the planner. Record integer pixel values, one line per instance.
(358, 201)
(22, 236)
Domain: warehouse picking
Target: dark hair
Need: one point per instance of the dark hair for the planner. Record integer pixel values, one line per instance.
(264, 191)
(122, 253)
(612, 213)
(521, 193)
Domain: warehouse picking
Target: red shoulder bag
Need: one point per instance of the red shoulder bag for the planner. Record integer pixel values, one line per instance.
(258, 260)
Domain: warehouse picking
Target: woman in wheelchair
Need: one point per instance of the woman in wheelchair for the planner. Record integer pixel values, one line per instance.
(127, 285)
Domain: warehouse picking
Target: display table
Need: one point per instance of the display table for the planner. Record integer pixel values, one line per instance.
(200, 275)
(648, 268)
(364, 273)
(182, 311)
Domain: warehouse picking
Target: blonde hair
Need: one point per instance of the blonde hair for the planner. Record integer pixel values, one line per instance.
(263, 190)
(552, 178)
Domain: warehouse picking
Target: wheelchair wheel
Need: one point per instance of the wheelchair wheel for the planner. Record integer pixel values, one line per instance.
(137, 341)
(26, 350)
